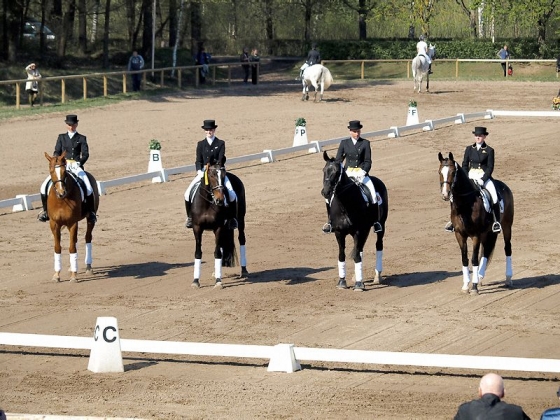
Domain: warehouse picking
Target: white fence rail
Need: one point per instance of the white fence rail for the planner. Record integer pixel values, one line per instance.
(25, 202)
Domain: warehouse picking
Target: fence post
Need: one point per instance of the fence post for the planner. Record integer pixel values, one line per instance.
(363, 67)
(124, 83)
(18, 93)
(84, 83)
(457, 69)
(104, 85)
(179, 78)
(161, 79)
(229, 75)
(63, 90)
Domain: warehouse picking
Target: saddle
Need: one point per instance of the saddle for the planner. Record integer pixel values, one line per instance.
(77, 180)
(487, 198)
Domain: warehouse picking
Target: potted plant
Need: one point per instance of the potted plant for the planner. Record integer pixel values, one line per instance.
(412, 103)
(300, 122)
(155, 144)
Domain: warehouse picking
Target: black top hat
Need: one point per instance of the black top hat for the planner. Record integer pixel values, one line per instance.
(480, 131)
(71, 119)
(209, 125)
(354, 125)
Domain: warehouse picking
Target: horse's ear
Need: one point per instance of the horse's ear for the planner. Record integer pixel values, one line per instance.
(451, 156)
(440, 157)
(48, 156)
(326, 156)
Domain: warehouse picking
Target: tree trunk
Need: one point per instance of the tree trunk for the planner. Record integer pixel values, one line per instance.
(106, 34)
(82, 26)
(66, 32)
(147, 10)
(196, 26)
(173, 28)
(95, 20)
(269, 24)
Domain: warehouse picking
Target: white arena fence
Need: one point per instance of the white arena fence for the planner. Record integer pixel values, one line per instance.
(25, 201)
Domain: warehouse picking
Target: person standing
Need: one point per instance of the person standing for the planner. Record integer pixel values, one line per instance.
(504, 55)
(136, 62)
(77, 154)
(478, 163)
(356, 151)
(211, 150)
(255, 67)
(32, 86)
(246, 67)
(490, 405)
(202, 58)
(422, 49)
(552, 413)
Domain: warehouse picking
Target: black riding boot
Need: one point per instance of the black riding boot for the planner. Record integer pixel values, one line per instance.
(188, 224)
(90, 207)
(376, 225)
(43, 216)
(496, 226)
(327, 228)
(430, 69)
(232, 215)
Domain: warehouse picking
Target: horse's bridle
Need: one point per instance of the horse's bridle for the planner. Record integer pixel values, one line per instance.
(212, 189)
(62, 180)
(442, 183)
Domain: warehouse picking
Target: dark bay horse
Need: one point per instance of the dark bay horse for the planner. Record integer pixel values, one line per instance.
(471, 220)
(66, 208)
(209, 212)
(351, 215)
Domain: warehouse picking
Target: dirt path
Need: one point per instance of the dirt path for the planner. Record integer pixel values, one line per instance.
(143, 258)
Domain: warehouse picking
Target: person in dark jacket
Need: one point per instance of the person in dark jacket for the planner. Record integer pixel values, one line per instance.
(313, 57)
(77, 154)
(136, 62)
(478, 163)
(245, 58)
(490, 405)
(211, 150)
(356, 152)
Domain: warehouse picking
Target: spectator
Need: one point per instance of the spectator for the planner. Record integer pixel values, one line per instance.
(32, 86)
(558, 64)
(245, 60)
(202, 58)
(552, 413)
(504, 55)
(136, 62)
(490, 404)
(254, 67)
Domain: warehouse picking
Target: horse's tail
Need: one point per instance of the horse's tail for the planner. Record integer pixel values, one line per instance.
(415, 66)
(229, 252)
(489, 245)
(327, 78)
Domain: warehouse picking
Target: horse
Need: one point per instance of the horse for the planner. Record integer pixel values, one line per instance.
(66, 208)
(471, 220)
(317, 76)
(420, 69)
(350, 214)
(209, 212)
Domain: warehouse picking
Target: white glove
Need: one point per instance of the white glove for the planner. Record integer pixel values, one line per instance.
(200, 173)
(362, 173)
(480, 182)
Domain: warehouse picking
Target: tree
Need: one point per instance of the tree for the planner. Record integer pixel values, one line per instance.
(470, 10)
(363, 8)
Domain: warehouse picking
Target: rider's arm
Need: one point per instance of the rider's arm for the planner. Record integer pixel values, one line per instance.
(199, 160)
(84, 150)
(489, 165)
(366, 164)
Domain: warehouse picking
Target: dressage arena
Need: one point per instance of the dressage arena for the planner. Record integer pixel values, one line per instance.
(143, 257)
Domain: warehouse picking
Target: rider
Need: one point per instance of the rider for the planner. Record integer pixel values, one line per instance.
(357, 152)
(211, 150)
(77, 154)
(313, 57)
(422, 49)
(478, 162)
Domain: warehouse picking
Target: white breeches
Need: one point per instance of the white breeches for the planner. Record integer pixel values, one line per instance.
(427, 58)
(369, 183)
(489, 185)
(231, 194)
(76, 170)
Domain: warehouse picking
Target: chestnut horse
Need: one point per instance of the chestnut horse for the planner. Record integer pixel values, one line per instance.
(209, 212)
(471, 220)
(66, 208)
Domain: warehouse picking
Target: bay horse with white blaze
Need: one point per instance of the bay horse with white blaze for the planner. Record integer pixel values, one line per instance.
(350, 214)
(420, 68)
(209, 212)
(317, 76)
(472, 219)
(66, 208)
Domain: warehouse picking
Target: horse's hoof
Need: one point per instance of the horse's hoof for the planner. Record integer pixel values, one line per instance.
(195, 284)
(89, 270)
(359, 287)
(377, 279)
(56, 278)
(341, 284)
(73, 279)
(465, 288)
(244, 272)
(509, 282)
(218, 284)
(474, 291)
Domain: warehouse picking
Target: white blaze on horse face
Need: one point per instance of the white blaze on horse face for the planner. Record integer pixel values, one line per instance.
(445, 186)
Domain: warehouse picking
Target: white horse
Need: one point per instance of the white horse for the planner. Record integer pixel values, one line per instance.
(420, 69)
(317, 76)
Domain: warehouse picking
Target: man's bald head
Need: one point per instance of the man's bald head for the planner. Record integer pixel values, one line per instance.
(491, 383)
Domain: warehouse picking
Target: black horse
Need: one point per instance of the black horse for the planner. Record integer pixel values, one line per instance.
(209, 212)
(471, 220)
(350, 214)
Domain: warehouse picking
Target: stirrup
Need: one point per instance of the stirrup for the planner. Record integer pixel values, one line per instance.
(449, 227)
(43, 216)
(496, 227)
(188, 223)
(232, 223)
(327, 228)
(92, 218)
(377, 227)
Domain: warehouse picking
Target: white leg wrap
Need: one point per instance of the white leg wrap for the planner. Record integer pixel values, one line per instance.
(358, 271)
(475, 274)
(379, 261)
(89, 257)
(466, 279)
(482, 267)
(57, 262)
(218, 268)
(509, 267)
(242, 256)
(342, 269)
(74, 262)
(197, 264)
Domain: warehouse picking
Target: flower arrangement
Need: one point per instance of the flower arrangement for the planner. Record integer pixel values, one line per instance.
(412, 103)
(155, 144)
(300, 122)
(556, 103)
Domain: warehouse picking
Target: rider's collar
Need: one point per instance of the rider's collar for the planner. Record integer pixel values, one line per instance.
(210, 140)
